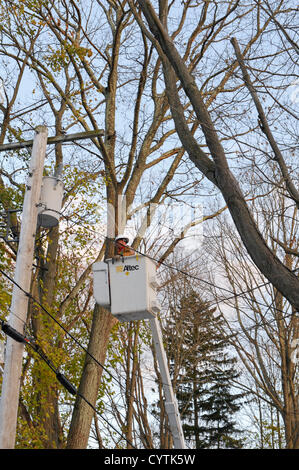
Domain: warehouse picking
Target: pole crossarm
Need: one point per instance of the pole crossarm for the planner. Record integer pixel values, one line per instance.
(54, 140)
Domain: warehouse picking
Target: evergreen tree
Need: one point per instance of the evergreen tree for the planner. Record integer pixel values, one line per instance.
(204, 387)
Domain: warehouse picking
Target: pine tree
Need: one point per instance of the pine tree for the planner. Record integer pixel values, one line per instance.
(204, 389)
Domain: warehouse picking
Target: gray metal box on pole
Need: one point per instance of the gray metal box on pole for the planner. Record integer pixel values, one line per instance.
(50, 202)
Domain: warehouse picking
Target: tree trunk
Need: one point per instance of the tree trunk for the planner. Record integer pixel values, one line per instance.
(83, 413)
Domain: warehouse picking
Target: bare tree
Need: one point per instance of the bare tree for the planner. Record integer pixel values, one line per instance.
(217, 169)
(262, 325)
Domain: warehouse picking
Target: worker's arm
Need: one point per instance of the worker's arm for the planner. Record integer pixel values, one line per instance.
(128, 251)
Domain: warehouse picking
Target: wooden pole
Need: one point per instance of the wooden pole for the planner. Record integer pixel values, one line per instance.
(19, 305)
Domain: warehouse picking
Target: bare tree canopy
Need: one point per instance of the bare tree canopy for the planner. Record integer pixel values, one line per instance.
(174, 66)
(196, 103)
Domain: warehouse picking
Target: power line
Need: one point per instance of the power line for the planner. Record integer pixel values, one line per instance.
(61, 378)
(234, 295)
(72, 337)
(53, 318)
(8, 330)
(191, 276)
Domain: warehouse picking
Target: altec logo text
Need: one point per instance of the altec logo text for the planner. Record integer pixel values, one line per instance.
(126, 268)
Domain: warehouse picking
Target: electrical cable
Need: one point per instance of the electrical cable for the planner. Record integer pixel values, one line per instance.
(63, 380)
(71, 336)
(55, 320)
(162, 263)
(60, 377)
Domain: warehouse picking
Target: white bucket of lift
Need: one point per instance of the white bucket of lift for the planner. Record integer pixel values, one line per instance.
(128, 285)
(50, 202)
(133, 287)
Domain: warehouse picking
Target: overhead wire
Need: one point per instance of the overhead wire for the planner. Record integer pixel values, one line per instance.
(17, 336)
(72, 337)
(263, 323)
(191, 276)
(234, 295)
(53, 318)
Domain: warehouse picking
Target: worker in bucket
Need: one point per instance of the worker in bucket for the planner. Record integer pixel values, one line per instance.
(121, 247)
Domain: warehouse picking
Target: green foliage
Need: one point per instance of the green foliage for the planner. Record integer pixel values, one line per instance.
(59, 58)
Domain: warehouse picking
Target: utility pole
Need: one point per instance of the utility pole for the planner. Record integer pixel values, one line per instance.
(14, 350)
(19, 305)
(9, 400)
